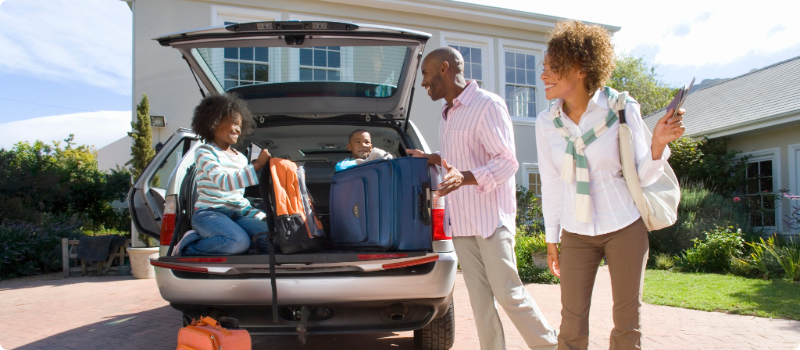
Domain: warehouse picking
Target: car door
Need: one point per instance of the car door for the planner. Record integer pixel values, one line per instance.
(147, 197)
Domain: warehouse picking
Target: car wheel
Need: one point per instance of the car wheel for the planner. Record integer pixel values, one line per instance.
(439, 334)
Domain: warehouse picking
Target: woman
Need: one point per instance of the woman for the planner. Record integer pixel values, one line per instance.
(596, 218)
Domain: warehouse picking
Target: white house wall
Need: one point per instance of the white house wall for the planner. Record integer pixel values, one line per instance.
(165, 77)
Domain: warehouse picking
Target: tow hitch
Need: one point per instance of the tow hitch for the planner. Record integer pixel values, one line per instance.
(302, 328)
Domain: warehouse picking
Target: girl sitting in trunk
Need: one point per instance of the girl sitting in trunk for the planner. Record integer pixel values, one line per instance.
(223, 220)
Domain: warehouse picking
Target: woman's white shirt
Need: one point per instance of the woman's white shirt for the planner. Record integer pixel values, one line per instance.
(613, 206)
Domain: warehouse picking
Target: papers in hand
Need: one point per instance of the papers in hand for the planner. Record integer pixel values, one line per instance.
(680, 97)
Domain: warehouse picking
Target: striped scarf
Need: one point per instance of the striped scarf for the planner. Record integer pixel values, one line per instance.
(575, 166)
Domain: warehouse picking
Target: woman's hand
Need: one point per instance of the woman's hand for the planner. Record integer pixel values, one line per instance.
(668, 129)
(262, 159)
(552, 259)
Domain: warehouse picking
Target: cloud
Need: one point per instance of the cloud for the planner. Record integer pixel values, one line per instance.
(712, 32)
(91, 128)
(60, 40)
(684, 33)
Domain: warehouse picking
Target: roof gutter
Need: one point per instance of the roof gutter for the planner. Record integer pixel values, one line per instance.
(469, 12)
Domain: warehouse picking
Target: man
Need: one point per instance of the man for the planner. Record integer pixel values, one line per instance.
(476, 140)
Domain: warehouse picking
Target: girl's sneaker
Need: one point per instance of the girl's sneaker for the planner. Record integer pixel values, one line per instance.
(176, 251)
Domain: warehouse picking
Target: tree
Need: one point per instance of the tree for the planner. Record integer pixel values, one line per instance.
(709, 163)
(637, 77)
(142, 149)
(37, 180)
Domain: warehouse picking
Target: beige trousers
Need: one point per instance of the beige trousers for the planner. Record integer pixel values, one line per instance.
(626, 254)
(490, 272)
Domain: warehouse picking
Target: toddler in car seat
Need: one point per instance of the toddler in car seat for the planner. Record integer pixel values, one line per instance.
(360, 145)
(223, 221)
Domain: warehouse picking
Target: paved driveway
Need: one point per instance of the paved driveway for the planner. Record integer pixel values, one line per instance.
(123, 313)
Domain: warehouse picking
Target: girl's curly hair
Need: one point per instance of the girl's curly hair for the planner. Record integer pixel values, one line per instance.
(588, 47)
(215, 108)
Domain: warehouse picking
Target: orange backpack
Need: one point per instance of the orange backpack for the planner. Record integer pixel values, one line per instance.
(208, 334)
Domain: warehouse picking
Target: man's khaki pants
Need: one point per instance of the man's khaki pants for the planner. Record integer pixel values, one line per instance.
(625, 252)
(489, 267)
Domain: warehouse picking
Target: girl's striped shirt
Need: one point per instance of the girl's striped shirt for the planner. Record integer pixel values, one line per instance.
(221, 180)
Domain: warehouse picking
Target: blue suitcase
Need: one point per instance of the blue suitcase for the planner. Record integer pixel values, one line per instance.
(382, 205)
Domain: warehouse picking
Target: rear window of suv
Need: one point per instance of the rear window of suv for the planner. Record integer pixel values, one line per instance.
(345, 71)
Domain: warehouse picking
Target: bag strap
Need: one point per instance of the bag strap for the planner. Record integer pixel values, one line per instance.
(208, 321)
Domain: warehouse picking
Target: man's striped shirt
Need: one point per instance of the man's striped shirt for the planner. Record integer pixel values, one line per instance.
(221, 180)
(476, 135)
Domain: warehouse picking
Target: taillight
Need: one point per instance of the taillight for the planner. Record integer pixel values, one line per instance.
(178, 267)
(438, 219)
(410, 263)
(168, 221)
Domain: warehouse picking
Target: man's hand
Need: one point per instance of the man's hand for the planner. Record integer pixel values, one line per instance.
(668, 129)
(433, 159)
(553, 260)
(453, 179)
(262, 160)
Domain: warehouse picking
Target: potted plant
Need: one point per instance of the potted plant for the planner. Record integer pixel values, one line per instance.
(140, 257)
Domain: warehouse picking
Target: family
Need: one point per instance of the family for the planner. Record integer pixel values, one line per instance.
(591, 218)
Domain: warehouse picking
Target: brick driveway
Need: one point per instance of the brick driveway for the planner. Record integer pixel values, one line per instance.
(123, 313)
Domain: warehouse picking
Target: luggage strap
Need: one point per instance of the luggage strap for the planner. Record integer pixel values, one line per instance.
(273, 282)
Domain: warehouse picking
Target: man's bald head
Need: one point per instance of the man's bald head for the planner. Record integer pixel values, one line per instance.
(446, 54)
(443, 74)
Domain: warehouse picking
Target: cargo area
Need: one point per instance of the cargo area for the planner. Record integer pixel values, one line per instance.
(317, 148)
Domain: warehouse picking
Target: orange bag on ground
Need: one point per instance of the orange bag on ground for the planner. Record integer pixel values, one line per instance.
(208, 334)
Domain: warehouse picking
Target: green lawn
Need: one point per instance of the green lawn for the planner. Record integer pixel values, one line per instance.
(723, 293)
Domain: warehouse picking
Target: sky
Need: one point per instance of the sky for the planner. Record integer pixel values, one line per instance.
(65, 65)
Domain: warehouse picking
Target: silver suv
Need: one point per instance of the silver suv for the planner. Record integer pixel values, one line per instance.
(309, 85)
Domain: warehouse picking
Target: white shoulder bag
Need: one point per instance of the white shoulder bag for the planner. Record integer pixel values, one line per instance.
(657, 203)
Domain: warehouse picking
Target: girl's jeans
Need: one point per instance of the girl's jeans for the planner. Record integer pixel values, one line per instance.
(221, 232)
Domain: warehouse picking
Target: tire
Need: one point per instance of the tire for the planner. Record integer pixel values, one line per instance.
(439, 334)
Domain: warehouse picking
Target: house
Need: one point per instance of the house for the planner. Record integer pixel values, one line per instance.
(759, 114)
(503, 51)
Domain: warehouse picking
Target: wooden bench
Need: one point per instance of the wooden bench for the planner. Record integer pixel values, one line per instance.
(69, 252)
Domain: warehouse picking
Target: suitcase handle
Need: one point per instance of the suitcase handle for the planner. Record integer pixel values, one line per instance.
(425, 202)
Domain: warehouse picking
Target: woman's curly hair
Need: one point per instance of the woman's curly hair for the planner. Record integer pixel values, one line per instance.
(215, 108)
(588, 47)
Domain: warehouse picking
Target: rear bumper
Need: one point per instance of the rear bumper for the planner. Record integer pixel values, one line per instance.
(310, 290)
(352, 317)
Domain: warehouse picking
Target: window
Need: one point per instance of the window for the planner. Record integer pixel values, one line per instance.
(758, 191)
(473, 62)
(535, 183)
(478, 52)
(758, 195)
(321, 64)
(520, 87)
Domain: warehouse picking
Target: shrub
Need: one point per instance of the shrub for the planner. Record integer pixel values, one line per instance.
(663, 261)
(104, 232)
(37, 180)
(529, 212)
(742, 267)
(700, 211)
(530, 238)
(714, 253)
(761, 259)
(708, 162)
(775, 257)
(29, 249)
